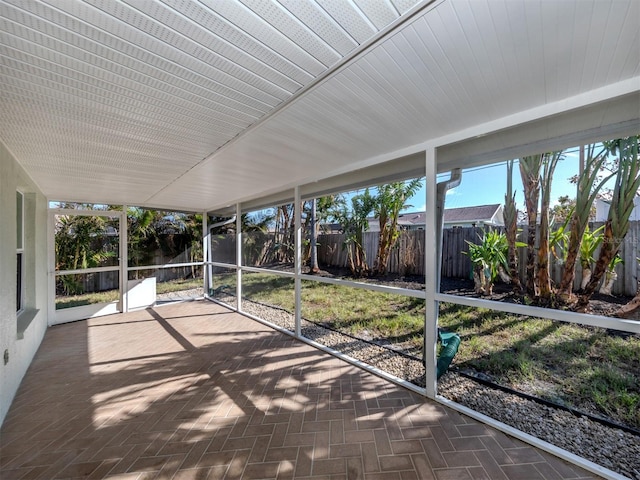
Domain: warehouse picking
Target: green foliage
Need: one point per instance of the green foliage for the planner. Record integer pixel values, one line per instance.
(390, 199)
(559, 240)
(511, 229)
(170, 233)
(590, 183)
(590, 243)
(563, 209)
(490, 254)
(615, 261)
(627, 183)
(626, 186)
(83, 241)
(353, 220)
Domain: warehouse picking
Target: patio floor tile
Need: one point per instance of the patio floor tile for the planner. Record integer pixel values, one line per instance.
(194, 391)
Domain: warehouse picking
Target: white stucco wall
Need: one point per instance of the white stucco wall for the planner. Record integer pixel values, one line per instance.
(20, 350)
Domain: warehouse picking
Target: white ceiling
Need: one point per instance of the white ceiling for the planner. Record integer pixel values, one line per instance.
(198, 104)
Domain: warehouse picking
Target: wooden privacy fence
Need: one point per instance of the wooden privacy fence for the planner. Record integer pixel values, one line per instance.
(407, 256)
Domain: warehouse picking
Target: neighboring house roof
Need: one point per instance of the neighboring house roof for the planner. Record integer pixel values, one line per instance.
(464, 215)
(478, 213)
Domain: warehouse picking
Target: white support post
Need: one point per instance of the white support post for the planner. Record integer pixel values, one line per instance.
(124, 260)
(238, 257)
(51, 255)
(431, 274)
(298, 259)
(206, 278)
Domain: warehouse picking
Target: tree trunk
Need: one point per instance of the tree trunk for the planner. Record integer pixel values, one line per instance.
(350, 259)
(609, 280)
(586, 276)
(530, 174)
(543, 277)
(608, 250)
(478, 279)
(361, 257)
(630, 308)
(385, 243)
(313, 260)
(531, 257)
(565, 290)
(543, 280)
(380, 267)
(511, 232)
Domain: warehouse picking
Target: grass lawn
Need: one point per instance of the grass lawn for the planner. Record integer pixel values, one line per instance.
(68, 301)
(108, 296)
(585, 367)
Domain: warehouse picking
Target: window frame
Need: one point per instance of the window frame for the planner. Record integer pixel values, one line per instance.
(20, 252)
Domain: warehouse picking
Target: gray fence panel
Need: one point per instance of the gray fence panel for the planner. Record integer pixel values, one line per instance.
(407, 257)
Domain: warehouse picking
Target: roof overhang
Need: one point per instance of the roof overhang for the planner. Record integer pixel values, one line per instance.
(105, 103)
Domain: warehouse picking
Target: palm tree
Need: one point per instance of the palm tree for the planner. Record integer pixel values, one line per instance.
(511, 229)
(353, 220)
(627, 183)
(530, 172)
(192, 228)
(256, 225)
(313, 238)
(82, 241)
(550, 161)
(318, 212)
(389, 201)
(283, 247)
(588, 188)
(139, 229)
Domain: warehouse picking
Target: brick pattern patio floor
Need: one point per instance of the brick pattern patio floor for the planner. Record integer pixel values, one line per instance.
(194, 391)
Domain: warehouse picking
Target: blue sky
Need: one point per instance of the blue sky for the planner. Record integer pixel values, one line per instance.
(488, 184)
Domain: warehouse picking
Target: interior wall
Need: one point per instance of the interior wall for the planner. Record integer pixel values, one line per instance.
(20, 335)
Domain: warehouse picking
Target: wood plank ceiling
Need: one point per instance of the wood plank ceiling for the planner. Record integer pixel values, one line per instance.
(193, 105)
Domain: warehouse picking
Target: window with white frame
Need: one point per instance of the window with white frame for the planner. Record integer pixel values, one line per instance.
(20, 251)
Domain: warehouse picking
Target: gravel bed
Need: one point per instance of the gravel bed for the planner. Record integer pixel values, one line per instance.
(612, 448)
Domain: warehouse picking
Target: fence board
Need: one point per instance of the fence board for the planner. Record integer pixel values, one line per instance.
(407, 257)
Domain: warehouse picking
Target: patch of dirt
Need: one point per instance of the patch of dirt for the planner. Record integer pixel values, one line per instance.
(605, 305)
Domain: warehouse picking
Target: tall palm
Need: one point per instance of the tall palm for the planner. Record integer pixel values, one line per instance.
(313, 240)
(353, 220)
(390, 200)
(511, 229)
(589, 185)
(627, 183)
(550, 161)
(139, 228)
(82, 241)
(530, 172)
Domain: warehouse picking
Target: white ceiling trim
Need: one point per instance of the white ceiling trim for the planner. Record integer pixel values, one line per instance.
(124, 102)
(517, 123)
(269, 134)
